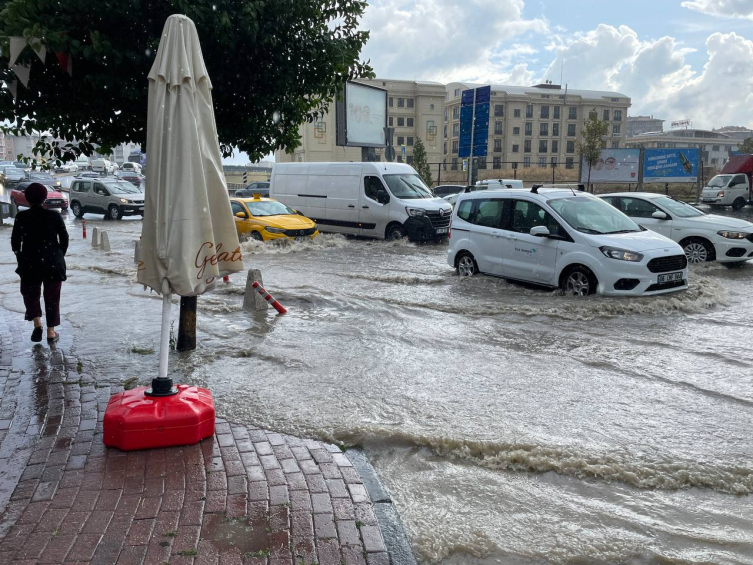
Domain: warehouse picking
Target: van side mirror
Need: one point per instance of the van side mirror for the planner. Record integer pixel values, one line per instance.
(382, 196)
(659, 215)
(540, 231)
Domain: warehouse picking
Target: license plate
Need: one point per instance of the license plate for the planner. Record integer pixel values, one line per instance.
(304, 238)
(442, 230)
(708, 199)
(670, 277)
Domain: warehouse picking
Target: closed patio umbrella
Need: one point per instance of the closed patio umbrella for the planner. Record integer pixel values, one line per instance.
(188, 237)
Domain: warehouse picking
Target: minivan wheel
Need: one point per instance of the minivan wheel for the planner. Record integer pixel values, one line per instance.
(579, 281)
(466, 265)
(395, 232)
(738, 203)
(115, 213)
(78, 211)
(698, 250)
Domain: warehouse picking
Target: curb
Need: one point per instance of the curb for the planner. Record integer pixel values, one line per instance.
(387, 515)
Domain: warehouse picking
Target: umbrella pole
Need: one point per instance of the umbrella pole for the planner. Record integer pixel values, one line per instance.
(162, 385)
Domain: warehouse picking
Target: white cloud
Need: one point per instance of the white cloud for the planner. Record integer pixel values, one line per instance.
(446, 40)
(723, 8)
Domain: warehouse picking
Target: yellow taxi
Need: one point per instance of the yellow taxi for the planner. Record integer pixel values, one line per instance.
(265, 218)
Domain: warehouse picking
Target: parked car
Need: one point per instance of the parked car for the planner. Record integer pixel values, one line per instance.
(11, 176)
(113, 198)
(55, 198)
(67, 168)
(42, 177)
(259, 187)
(88, 175)
(444, 190)
(21, 165)
(134, 178)
(264, 219)
(562, 239)
(131, 167)
(83, 163)
(703, 237)
(734, 186)
(487, 185)
(381, 200)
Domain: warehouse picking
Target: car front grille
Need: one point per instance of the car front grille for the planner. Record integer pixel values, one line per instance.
(665, 286)
(438, 220)
(667, 264)
(300, 233)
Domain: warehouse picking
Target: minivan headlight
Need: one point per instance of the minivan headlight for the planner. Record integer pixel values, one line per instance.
(415, 211)
(274, 230)
(732, 234)
(124, 201)
(621, 254)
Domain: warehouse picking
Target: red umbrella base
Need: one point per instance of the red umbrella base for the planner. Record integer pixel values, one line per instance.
(136, 421)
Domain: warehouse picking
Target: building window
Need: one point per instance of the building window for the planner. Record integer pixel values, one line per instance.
(615, 145)
(400, 140)
(400, 122)
(544, 112)
(526, 162)
(714, 160)
(497, 145)
(569, 163)
(497, 163)
(606, 115)
(481, 161)
(410, 141)
(401, 102)
(457, 92)
(516, 130)
(527, 146)
(455, 147)
(445, 148)
(454, 165)
(570, 147)
(529, 128)
(555, 146)
(516, 113)
(542, 162)
(409, 159)
(555, 129)
(515, 148)
(715, 148)
(390, 102)
(390, 121)
(410, 102)
(556, 112)
(445, 114)
(455, 129)
(728, 148)
(409, 122)
(497, 128)
(572, 113)
(616, 128)
(544, 129)
(431, 107)
(542, 146)
(455, 112)
(499, 110)
(445, 133)
(571, 130)
(529, 111)
(618, 115)
(554, 162)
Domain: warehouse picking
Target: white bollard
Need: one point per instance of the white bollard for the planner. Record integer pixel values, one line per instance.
(95, 238)
(252, 300)
(104, 243)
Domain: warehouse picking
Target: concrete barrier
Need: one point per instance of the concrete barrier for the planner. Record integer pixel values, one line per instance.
(252, 300)
(95, 238)
(104, 243)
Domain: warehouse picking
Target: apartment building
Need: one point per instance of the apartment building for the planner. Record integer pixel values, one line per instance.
(715, 147)
(637, 125)
(414, 109)
(536, 125)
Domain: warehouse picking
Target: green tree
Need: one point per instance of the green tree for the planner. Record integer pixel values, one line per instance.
(273, 65)
(747, 146)
(419, 162)
(590, 148)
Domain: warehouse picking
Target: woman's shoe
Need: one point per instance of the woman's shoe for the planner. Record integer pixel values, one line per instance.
(53, 339)
(36, 335)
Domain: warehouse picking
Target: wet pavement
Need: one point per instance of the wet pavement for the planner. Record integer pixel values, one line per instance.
(510, 424)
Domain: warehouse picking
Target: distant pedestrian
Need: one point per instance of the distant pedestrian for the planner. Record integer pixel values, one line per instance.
(40, 242)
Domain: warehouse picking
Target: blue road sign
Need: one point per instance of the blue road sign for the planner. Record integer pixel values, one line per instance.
(478, 100)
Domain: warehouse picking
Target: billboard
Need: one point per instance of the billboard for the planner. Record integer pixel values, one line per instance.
(614, 165)
(670, 165)
(362, 116)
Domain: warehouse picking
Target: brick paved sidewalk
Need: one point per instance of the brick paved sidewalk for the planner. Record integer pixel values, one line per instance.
(243, 496)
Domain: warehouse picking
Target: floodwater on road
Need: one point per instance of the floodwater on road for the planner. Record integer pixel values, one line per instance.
(511, 424)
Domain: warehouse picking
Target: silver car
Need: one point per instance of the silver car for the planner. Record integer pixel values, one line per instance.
(113, 198)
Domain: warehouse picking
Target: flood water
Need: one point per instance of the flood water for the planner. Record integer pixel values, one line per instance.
(510, 424)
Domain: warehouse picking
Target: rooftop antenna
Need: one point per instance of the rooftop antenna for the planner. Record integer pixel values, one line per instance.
(562, 69)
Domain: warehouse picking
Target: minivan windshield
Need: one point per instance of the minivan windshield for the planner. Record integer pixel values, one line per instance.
(122, 188)
(677, 208)
(719, 181)
(407, 187)
(593, 215)
(269, 208)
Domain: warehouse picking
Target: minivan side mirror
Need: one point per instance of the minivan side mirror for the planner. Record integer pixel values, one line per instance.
(659, 215)
(382, 196)
(540, 231)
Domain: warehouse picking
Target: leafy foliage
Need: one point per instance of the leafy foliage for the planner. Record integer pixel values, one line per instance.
(747, 146)
(590, 148)
(273, 65)
(419, 162)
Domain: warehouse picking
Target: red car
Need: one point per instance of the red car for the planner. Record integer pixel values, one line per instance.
(55, 198)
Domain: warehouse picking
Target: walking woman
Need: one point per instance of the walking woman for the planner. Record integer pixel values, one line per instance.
(40, 242)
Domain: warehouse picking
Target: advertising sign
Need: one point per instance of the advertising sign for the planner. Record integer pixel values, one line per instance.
(614, 165)
(362, 116)
(670, 165)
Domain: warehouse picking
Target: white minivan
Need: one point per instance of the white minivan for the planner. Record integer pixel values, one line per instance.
(102, 166)
(562, 239)
(381, 200)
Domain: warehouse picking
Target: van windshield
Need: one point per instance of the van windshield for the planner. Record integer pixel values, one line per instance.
(719, 181)
(407, 187)
(593, 215)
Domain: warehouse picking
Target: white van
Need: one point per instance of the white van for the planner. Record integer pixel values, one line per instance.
(102, 166)
(381, 200)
